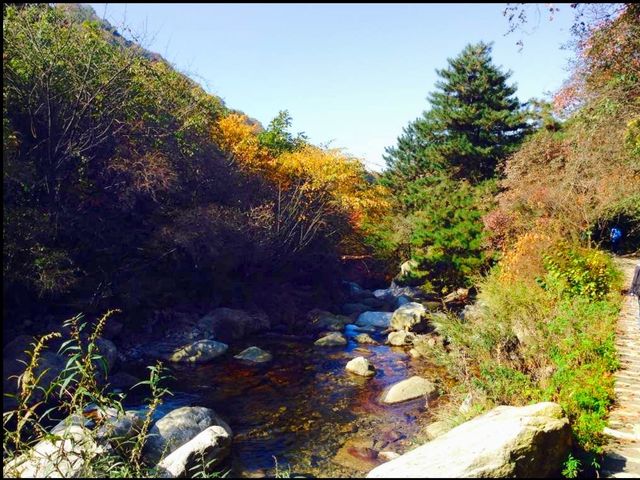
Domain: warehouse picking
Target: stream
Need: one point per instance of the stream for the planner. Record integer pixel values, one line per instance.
(303, 410)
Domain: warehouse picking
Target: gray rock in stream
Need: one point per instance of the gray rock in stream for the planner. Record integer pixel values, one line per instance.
(374, 319)
(177, 428)
(361, 366)
(411, 316)
(254, 355)
(409, 389)
(198, 352)
(332, 340)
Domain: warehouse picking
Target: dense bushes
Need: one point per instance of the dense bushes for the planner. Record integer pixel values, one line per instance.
(547, 337)
(126, 184)
(583, 175)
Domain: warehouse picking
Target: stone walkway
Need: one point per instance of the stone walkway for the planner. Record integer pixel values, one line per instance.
(622, 459)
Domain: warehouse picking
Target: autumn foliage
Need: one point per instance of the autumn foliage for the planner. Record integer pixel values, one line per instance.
(583, 176)
(126, 183)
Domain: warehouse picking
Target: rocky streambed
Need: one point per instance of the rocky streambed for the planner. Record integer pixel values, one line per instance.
(348, 395)
(300, 408)
(303, 409)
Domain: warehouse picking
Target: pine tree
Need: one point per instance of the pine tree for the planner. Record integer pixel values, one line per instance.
(444, 166)
(474, 122)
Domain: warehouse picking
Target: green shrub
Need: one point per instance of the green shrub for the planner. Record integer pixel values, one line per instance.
(551, 341)
(579, 271)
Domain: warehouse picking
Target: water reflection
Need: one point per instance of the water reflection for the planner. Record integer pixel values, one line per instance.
(303, 407)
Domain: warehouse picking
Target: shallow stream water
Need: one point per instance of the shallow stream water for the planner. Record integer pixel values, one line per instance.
(303, 410)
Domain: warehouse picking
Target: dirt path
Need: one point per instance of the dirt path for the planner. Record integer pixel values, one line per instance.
(623, 453)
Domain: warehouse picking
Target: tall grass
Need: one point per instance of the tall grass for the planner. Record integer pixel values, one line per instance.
(546, 334)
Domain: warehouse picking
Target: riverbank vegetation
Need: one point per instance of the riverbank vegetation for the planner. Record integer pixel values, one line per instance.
(543, 324)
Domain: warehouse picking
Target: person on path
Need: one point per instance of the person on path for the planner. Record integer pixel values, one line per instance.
(615, 236)
(635, 287)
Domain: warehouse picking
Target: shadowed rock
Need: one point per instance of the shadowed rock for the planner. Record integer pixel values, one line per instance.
(531, 441)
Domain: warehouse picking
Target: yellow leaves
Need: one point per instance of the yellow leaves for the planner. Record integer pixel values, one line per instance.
(310, 168)
(343, 176)
(236, 135)
(524, 260)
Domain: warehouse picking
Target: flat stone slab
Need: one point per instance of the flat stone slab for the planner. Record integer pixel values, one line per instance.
(506, 442)
(409, 389)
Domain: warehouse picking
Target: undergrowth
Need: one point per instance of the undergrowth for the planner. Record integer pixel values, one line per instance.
(547, 336)
(78, 446)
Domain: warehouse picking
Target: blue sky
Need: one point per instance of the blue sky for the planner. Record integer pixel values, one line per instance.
(350, 75)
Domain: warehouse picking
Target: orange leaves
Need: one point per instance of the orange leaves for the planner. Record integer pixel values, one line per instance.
(344, 177)
(314, 171)
(523, 262)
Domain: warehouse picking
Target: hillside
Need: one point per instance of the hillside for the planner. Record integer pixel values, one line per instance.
(191, 293)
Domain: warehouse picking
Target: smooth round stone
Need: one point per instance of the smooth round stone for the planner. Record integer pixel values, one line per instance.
(361, 366)
(414, 387)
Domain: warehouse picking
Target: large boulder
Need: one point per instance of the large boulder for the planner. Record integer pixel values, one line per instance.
(199, 352)
(361, 366)
(334, 339)
(178, 427)
(409, 389)
(206, 450)
(410, 317)
(118, 427)
(531, 441)
(374, 319)
(228, 324)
